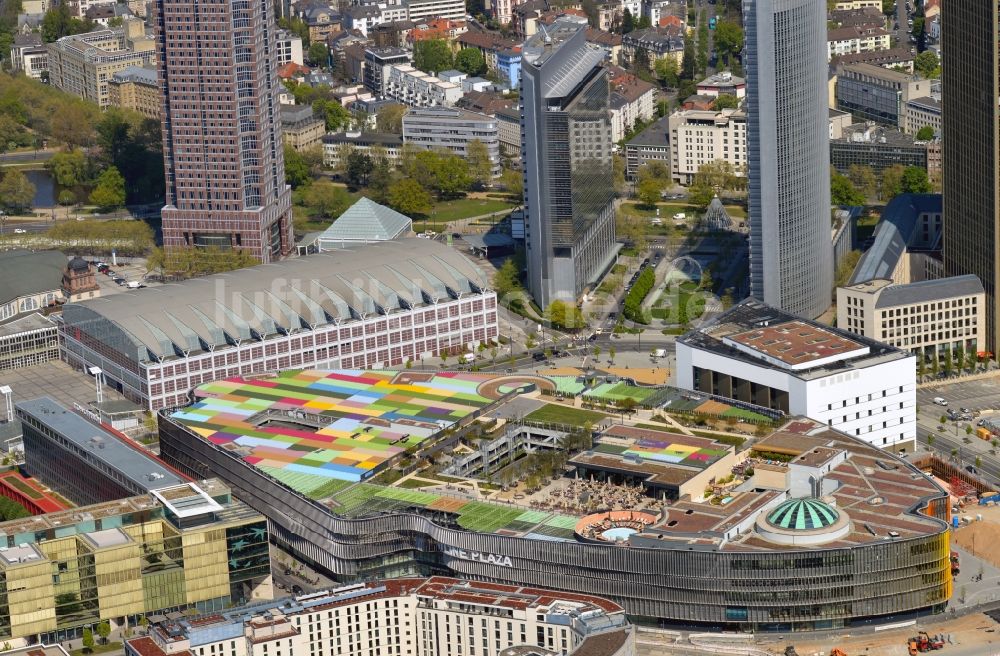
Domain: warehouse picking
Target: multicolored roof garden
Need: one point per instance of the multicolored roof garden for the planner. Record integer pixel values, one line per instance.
(349, 423)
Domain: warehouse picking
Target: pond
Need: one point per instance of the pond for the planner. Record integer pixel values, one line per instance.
(45, 188)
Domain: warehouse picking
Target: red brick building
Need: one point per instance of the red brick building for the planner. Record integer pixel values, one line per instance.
(222, 147)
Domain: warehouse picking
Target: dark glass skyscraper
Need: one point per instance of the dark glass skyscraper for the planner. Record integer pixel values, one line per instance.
(788, 155)
(971, 147)
(222, 146)
(568, 189)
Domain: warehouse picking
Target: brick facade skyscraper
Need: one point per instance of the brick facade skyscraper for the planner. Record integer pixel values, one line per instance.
(222, 145)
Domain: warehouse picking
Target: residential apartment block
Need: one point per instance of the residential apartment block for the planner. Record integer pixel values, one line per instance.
(856, 39)
(652, 144)
(509, 133)
(420, 11)
(928, 318)
(83, 64)
(656, 43)
(874, 93)
(376, 67)
(452, 129)
(287, 48)
(407, 616)
(631, 101)
(188, 546)
(29, 54)
(418, 89)
(300, 128)
(698, 137)
(136, 88)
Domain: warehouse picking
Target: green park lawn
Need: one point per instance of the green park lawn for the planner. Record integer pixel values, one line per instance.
(559, 414)
(463, 208)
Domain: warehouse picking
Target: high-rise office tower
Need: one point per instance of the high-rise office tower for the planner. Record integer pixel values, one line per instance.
(970, 139)
(568, 189)
(788, 161)
(222, 146)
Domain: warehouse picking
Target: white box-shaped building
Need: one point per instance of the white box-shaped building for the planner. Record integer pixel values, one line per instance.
(760, 355)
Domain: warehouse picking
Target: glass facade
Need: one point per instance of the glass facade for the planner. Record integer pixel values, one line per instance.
(791, 258)
(121, 560)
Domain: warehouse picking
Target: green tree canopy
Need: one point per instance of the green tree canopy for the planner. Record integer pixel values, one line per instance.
(726, 101)
(928, 64)
(843, 192)
(470, 61)
(507, 282)
(296, 168)
(318, 55)
(59, 22)
(332, 112)
(563, 315)
(655, 169)
(409, 198)
(728, 38)
(649, 191)
(864, 179)
(16, 190)
(925, 133)
(445, 173)
(326, 199)
(480, 165)
(109, 193)
(390, 119)
(668, 70)
(432, 55)
(915, 181)
(513, 182)
(892, 182)
(68, 168)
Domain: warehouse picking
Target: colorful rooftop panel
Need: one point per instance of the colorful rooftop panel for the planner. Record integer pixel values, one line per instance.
(349, 423)
(669, 452)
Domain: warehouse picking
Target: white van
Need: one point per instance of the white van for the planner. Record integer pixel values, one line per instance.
(680, 216)
(468, 357)
(939, 401)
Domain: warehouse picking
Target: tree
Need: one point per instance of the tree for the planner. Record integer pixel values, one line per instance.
(296, 169)
(726, 101)
(928, 64)
(649, 191)
(432, 55)
(864, 179)
(358, 169)
(845, 267)
(318, 55)
(88, 639)
(915, 181)
(409, 198)
(444, 172)
(618, 173)
(892, 182)
(628, 22)
(470, 61)
(326, 199)
(59, 22)
(66, 197)
(925, 133)
(109, 193)
(611, 353)
(104, 630)
(16, 190)
(480, 165)
(842, 191)
(390, 119)
(655, 169)
(513, 182)
(728, 38)
(666, 69)
(700, 192)
(564, 315)
(332, 112)
(507, 283)
(68, 168)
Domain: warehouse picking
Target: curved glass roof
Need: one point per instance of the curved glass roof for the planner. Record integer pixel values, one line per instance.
(803, 515)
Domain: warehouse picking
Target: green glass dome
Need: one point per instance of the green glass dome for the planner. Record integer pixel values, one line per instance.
(802, 515)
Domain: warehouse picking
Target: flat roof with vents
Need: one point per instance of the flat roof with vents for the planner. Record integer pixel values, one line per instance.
(795, 344)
